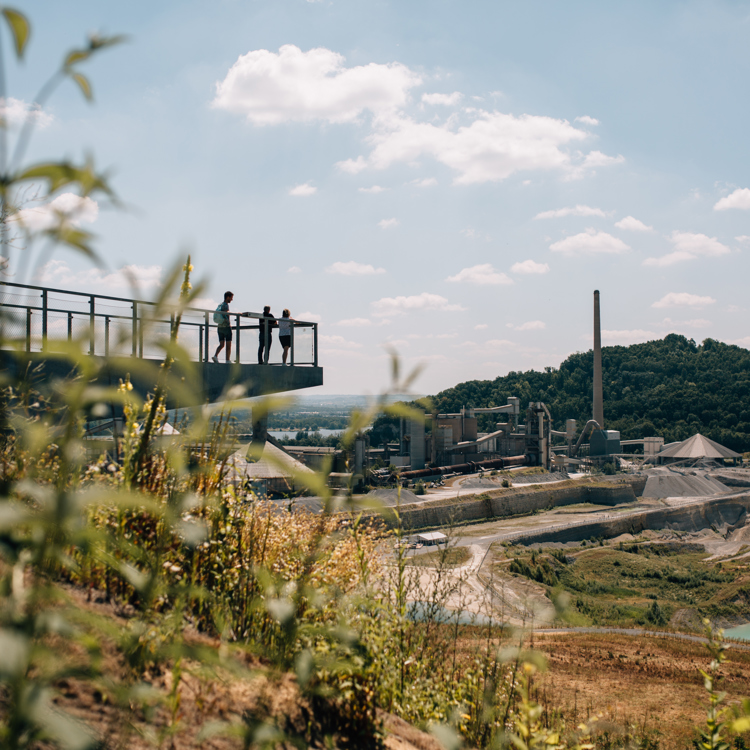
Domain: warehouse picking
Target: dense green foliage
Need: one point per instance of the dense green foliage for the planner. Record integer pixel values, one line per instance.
(671, 387)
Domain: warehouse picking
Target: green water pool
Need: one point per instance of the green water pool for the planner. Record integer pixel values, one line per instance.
(741, 632)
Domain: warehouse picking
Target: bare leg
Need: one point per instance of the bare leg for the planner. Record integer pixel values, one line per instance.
(219, 348)
(229, 350)
(284, 355)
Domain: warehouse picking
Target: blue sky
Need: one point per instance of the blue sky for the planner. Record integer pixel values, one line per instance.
(452, 180)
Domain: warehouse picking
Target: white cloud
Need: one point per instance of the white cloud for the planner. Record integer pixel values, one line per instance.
(627, 337)
(570, 211)
(744, 342)
(683, 299)
(388, 223)
(482, 275)
(740, 198)
(426, 182)
(302, 191)
(743, 238)
(449, 100)
(292, 85)
(400, 305)
(598, 159)
(374, 189)
(352, 166)
(531, 325)
(339, 341)
(480, 327)
(294, 269)
(632, 224)
(68, 206)
(695, 323)
(309, 317)
(352, 268)
(688, 246)
(491, 148)
(529, 266)
(58, 273)
(586, 120)
(590, 242)
(355, 322)
(15, 111)
(473, 234)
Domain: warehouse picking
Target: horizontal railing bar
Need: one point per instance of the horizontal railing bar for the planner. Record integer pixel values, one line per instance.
(129, 300)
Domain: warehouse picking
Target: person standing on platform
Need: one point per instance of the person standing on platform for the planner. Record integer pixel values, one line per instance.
(285, 334)
(223, 327)
(266, 325)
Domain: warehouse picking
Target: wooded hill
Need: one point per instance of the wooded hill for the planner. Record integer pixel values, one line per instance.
(670, 387)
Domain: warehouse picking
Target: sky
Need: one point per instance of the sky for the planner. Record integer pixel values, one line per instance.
(443, 179)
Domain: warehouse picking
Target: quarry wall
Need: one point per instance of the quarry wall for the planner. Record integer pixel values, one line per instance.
(727, 514)
(502, 504)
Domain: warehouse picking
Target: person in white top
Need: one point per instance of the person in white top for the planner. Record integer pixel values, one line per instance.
(285, 333)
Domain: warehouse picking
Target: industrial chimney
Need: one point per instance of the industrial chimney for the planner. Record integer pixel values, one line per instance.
(598, 397)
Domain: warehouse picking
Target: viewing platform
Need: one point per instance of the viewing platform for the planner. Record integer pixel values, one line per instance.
(37, 321)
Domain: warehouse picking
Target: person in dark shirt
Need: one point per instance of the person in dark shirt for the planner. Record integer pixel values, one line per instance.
(266, 325)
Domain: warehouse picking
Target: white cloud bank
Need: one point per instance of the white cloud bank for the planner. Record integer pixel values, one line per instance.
(491, 148)
(683, 299)
(449, 100)
(531, 325)
(15, 112)
(388, 223)
(631, 224)
(689, 246)
(352, 268)
(303, 191)
(590, 242)
(570, 211)
(740, 198)
(375, 189)
(68, 206)
(529, 266)
(481, 275)
(624, 338)
(355, 322)
(388, 306)
(270, 88)
(58, 273)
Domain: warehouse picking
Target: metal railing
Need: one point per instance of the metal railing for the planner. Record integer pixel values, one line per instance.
(34, 317)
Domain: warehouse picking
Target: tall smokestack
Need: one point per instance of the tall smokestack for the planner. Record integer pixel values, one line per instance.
(598, 396)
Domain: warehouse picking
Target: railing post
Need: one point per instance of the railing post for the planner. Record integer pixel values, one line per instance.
(106, 335)
(135, 328)
(315, 344)
(92, 324)
(206, 336)
(140, 338)
(291, 342)
(237, 350)
(200, 342)
(28, 329)
(70, 326)
(44, 320)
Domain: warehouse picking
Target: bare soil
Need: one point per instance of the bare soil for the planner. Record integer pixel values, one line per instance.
(643, 684)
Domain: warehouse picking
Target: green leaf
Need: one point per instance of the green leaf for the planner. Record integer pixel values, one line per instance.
(20, 28)
(83, 84)
(76, 55)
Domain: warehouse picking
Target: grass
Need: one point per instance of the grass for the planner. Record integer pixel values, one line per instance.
(451, 557)
(640, 584)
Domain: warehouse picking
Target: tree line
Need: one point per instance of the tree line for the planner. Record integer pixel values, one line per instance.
(671, 387)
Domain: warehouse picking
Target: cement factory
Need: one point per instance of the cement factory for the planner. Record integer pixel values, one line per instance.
(523, 438)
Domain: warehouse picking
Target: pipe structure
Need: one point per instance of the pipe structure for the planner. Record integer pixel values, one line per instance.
(591, 423)
(598, 414)
(468, 468)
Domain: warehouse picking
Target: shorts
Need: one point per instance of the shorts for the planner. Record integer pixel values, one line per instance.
(225, 334)
(285, 340)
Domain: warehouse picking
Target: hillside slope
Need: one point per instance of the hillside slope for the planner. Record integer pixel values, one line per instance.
(670, 387)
